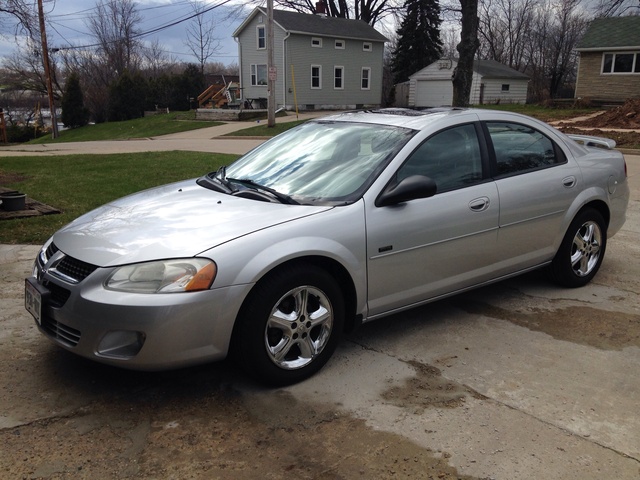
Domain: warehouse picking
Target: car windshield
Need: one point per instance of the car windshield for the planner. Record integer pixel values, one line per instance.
(321, 162)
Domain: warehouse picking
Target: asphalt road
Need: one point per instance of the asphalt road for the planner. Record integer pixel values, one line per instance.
(518, 380)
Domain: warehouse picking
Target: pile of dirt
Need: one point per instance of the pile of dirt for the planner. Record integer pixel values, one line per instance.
(624, 116)
(627, 139)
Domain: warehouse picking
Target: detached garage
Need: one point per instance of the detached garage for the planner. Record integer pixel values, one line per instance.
(492, 83)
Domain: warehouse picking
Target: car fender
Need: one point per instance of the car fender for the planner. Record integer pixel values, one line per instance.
(340, 238)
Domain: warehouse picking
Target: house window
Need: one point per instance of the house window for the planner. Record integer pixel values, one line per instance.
(316, 42)
(621, 63)
(340, 44)
(365, 78)
(338, 78)
(367, 46)
(258, 75)
(505, 87)
(316, 76)
(261, 36)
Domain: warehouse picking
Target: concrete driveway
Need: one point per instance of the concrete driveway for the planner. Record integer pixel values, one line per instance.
(518, 380)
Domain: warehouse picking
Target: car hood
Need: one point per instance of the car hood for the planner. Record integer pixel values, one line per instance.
(178, 220)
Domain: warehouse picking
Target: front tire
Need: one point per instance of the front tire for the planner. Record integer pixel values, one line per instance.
(289, 325)
(582, 250)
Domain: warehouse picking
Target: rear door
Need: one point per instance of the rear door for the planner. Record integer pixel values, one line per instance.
(537, 184)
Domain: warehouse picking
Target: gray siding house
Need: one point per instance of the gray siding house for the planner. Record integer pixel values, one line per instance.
(492, 82)
(322, 62)
(609, 68)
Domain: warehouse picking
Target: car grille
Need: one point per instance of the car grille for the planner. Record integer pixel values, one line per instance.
(76, 269)
(61, 332)
(68, 268)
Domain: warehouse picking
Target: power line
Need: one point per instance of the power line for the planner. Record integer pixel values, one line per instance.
(153, 30)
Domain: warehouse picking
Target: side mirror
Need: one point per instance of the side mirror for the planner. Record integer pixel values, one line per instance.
(410, 188)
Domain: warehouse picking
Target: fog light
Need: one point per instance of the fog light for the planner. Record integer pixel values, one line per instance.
(121, 344)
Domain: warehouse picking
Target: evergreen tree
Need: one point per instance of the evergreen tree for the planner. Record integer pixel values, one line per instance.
(127, 97)
(74, 113)
(419, 41)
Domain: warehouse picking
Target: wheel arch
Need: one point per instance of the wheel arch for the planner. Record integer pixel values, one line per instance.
(600, 206)
(334, 268)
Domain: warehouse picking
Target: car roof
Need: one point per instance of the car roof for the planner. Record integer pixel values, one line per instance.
(421, 119)
(400, 117)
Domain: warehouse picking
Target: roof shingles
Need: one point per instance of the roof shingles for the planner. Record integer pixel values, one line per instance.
(611, 33)
(321, 25)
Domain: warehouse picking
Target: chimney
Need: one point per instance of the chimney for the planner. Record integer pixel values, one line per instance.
(321, 8)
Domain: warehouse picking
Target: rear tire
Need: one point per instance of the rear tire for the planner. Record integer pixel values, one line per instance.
(289, 325)
(582, 250)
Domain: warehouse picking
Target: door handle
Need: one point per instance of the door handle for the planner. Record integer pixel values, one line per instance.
(479, 204)
(569, 182)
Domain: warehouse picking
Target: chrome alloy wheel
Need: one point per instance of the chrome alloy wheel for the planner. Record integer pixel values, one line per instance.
(585, 251)
(298, 327)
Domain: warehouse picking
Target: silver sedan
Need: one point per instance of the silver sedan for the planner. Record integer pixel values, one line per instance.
(339, 221)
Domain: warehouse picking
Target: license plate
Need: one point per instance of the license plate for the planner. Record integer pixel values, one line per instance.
(33, 301)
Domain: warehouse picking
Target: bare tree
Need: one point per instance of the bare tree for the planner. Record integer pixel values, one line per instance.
(505, 27)
(200, 36)
(26, 69)
(555, 30)
(611, 8)
(370, 11)
(568, 29)
(155, 61)
(115, 28)
(20, 16)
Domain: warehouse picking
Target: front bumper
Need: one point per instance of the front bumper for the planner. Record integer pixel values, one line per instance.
(136, 331)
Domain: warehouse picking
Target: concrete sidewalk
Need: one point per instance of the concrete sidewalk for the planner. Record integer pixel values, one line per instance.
(210, 139)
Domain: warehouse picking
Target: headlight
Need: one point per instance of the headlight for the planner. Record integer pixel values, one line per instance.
(165, 276)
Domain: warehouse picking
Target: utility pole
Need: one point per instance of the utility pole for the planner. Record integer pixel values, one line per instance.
(47, 71)
(272, 70)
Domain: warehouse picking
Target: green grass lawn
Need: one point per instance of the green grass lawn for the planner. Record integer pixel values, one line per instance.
(151, 126)
(76, 184)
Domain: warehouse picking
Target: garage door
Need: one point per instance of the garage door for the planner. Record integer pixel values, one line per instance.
(434, 93)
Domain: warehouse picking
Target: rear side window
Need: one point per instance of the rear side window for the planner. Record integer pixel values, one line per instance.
(519, 148)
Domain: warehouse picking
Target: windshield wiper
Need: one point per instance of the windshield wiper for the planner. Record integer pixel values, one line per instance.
(217, 181)
(221, 176)
(283, 198)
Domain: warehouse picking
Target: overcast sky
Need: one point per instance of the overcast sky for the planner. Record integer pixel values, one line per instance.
(67, 26)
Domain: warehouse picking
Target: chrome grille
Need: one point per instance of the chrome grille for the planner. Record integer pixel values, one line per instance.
(76, 269)
(51, 249)
(61, 332)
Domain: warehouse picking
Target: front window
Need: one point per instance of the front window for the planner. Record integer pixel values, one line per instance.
(316, 76)
(316, 42)
(322, 162)
(451, 158)
(366, 77)
(621, 63)
(258, 75)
